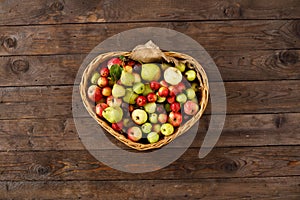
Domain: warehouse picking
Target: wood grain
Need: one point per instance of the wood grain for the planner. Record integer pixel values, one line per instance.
(220, 163)
(248, 188)
(242, 97)
(79, 11)
(233, 66)
(239, 130)
(216, 35)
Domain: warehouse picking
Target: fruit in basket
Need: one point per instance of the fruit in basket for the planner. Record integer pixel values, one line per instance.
(137, 77)
(190, 75)
(112, 101)
(190, 93)
(138, 88)
(151, 97)
(134, 133)
(175, 119)
(102, 81)
(99, 109)
(104, 72)
(163, 91)
(130, 96)
(153, 118)
(175, 107)
(106, 91)
(139, 116)
(181, 98)
(180, 67)
(150, 107)
(94, 93)
(162, 118)
(150, 72)
(141, 100)
(118, 91)
(114, 61)
(113, 114)
(172, 76)
(152, 137)
(167, 129)
(156, 128)
(127, 78)
(154, 85)
(191, 108)
(95, 78)
(147, 127)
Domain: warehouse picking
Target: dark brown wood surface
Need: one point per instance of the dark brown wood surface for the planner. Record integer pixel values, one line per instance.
(256, 47)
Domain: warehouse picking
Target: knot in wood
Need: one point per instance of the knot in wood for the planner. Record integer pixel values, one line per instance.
(57, 6)
(19, 66)
(10, 42)
(230, 166)
(288, 57)
(233, 11)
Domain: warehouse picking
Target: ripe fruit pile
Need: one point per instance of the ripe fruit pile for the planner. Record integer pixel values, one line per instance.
(144, 102)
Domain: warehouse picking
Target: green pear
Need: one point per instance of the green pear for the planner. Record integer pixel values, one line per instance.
(127, 78)
(147, 90)
(150, 72)
(138, 88)
(180, 66)
(95, 78)
(118, 91)
(130, 96)
(113, 114)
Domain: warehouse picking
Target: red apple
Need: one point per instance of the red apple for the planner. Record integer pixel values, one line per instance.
(163, 91)
(151, 97)
(141, 101)
(154, 85)
(94, 93)
(190, 108)
(175, 119)
(117, 126)
(162, 118)
(106, 91)
(104, 72)
(164, 83)
(111, 101)
(102, 81)
(114, 61)
(175, 107)
(173, 91)
(99, 108)
(171, 99)
(134, 133)
(130, 63)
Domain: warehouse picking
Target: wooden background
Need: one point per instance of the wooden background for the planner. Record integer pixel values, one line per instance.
(256, 46)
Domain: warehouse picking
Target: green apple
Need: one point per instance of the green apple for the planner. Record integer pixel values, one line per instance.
(190, 75)
(195, 87)
(190, 93)
(138, 88)
(167, 129)
(118, 91)
(156, 128)
(172, 76)
(150, 107)
(153, 118)
(181, 98)
(147, 127)
(150, 72)
(113, 114)
(153, 137)
(127, 78)
(147, 90)
(130, 96)
(167, 107)
(95, 78)
(139, 116)
(180, 66)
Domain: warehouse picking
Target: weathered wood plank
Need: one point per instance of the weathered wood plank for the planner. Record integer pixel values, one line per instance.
(233, 66)
(217, 35)
(248, 188)
(242, 97)
(220, 163)
(239, 130)
(79, 11)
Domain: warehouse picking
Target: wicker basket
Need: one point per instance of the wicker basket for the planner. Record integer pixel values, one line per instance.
(191, 63)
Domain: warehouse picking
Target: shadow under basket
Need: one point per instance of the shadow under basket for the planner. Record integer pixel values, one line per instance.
(202, 99)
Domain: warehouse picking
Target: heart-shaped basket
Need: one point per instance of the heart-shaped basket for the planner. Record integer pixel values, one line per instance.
(147, 53)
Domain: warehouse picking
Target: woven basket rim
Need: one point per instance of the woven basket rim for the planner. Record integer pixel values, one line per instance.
(204, 87)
